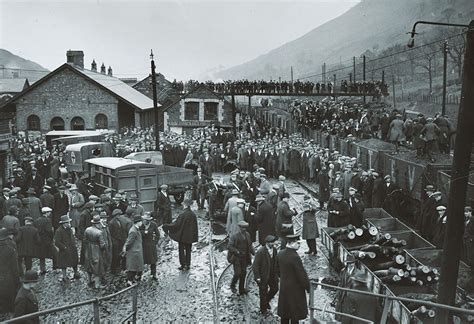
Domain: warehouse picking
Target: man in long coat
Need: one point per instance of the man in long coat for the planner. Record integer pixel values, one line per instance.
(163, 207)
(25, 300)
(468, 237)
(265, 218)
(77, 202)
(27, 240)
(310, 228)
(133, 250)
(94, 245)
(66, 256)
(294, 283)
(323, 180)
(236, 215)
(119, 227)
(265, 272)
(9, 274)
(150, 237)
(34, 204)
(61, 206)
(46, 233)
(284, 219)
(184, 230)
(231, 203)
(240, 250)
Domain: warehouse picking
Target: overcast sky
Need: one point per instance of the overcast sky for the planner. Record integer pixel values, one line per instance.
(187, 37)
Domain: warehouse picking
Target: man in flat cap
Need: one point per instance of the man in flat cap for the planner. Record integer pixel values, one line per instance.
(46, 233)
(240, 250)
(265, 270)
(294, 283)
(430, 215)
(440, 227)
(26, 301)
(284, 219)
(119, 227)
(468, 238)
(61, 205)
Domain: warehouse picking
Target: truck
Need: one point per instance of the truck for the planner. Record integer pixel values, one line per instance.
(76, 154)
(138, 177)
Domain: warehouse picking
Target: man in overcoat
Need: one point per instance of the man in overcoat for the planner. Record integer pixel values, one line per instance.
(310, 228)
(265, 272)
(294, 283)
(34, 204)
(119, 226)
(163, 207)
(133, 251)
(46, 233)
(184, 230)
(27, 241)
(94, 246)
(265, 218)
(240, 250)
(468, 238)
(65, 241)
(284, 219)
(9, 274)
(25, 300)
(150, 237)
(61, 206)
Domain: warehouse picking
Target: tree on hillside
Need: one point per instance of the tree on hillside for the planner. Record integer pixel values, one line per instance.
(456, 49)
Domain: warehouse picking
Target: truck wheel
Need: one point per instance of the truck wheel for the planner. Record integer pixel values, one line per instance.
(179, 197)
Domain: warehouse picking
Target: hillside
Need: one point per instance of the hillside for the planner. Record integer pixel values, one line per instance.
(370, 25)
(13, 66)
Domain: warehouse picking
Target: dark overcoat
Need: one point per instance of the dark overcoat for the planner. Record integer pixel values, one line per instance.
(265, 267)
(66, 243)
(265, 221)
(150, 237)
(310, 226)
(9, 276)
(294, 283)
(184, 229)
(61, 207)
(26, 303)
(163, 208)
(27, 241)
(134, 250)
(323, 186)
(45, 230)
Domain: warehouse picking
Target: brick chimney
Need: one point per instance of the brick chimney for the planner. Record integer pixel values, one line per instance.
(102, 68)
(94, 66)
(109, 71)
(75, 58)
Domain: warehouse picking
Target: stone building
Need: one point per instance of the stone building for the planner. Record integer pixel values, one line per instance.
(5, 149)
(198, 108)
(74, 98)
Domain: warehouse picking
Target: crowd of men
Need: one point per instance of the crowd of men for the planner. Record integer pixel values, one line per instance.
(285, 87)
(425, 134)
(46, 213)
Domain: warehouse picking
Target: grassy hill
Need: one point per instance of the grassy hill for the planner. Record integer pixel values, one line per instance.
(370, 25)
(13, 66)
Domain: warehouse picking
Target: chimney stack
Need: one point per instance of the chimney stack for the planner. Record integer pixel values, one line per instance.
(75, 58)
(102, 68)
(94, 66)
(109, 71)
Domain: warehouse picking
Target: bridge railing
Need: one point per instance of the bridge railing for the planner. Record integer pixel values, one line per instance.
(388, 299)
(132, 316)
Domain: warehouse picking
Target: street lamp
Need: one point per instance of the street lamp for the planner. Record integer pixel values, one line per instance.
(411, 43)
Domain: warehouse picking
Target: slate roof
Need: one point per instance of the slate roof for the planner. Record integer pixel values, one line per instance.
(13, 85)
(112, 85)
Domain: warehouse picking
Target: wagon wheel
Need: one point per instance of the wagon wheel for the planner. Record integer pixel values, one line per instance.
(179, 197)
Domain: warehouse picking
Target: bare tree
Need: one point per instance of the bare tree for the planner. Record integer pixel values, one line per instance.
(456, 49)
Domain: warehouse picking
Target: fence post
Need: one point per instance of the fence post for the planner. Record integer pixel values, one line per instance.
(135, 304)
(311, 303)
(96, 311)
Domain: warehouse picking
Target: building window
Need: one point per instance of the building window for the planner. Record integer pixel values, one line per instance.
(57, 123)
(101, 121)
(77, 123)
(191, 110)
(210, 111)
(33, 123)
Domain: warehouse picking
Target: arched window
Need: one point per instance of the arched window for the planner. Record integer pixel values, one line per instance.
(57, 123)
(77, 123)
(101, 121)
(33, 123)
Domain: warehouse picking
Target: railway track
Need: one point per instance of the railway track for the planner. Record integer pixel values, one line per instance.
(218, 281)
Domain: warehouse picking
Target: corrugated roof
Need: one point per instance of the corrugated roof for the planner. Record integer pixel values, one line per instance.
(120, 88)
(12, 85)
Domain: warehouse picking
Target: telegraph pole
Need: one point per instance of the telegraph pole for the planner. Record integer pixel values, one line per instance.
(292, 75)
(445, 68)
(155, 103)
(354, 67)
(393, 90)
(458, 187)
(363, 71)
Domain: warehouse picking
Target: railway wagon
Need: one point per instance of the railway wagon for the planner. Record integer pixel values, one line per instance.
(417, 252)
(369, 153)
(444, 180)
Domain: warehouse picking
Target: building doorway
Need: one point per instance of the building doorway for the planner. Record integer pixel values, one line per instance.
(77, 123)
(57, 123)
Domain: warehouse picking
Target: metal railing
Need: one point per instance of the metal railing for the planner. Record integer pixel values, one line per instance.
(315, 283)
(95, 303)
